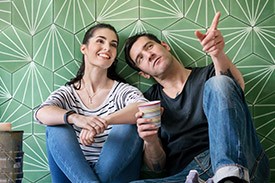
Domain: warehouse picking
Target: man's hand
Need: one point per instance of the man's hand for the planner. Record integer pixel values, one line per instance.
(146, 129)
(212, 42)
(154, 155)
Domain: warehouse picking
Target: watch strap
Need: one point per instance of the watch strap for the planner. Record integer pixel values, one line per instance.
(66, 115)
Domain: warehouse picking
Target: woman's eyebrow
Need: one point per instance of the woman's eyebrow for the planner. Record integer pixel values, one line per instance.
(103, 37)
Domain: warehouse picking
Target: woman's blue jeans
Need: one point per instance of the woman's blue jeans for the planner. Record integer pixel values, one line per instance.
(119, 161)
(234, 149)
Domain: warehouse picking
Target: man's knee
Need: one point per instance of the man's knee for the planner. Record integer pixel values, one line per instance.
(222, 91)
(220, 83)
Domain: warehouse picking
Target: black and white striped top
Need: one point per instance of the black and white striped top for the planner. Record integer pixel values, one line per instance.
(120, 96)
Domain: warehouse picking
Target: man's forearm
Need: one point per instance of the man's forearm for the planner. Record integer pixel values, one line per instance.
(224, 66)
(154, 156)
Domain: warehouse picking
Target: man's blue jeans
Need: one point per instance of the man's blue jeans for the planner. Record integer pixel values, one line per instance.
(119, 161)
(234, 147)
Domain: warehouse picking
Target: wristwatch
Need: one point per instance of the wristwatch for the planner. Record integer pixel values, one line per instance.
(66, 115)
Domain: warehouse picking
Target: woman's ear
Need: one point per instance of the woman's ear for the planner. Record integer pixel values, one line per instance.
(143, 74)
(82, 48)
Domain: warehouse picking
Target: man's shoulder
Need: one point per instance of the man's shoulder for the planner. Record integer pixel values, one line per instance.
(203, 67)
(153, 88)
(152, 92)
(202, 72)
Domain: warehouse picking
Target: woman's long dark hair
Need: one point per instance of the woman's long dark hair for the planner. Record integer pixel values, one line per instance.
(111, 72)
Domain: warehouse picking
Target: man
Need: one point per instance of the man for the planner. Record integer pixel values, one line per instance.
(206, 125)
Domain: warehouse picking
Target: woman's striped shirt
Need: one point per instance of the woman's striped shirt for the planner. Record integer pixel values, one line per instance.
(120, 96)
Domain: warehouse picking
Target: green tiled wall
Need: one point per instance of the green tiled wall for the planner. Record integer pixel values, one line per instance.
(39, 52)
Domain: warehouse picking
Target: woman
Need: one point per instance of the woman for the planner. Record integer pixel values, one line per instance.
(90, 136)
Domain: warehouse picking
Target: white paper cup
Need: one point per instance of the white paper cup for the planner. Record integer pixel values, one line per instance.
(151, 110)
(5, 126)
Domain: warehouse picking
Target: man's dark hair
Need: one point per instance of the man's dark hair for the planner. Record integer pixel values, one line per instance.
(129, 43)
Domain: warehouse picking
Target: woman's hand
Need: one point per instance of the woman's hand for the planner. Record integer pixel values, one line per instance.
(87, 137)
(91, 123)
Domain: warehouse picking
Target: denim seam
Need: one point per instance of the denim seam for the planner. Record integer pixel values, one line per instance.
(255, 166)
(205, 170)
(121, 167)
(125, 163)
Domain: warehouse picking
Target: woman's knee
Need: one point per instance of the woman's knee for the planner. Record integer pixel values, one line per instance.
(59, 133)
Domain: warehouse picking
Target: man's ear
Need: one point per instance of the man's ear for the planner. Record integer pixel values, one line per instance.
(165, 45)
(143, 74)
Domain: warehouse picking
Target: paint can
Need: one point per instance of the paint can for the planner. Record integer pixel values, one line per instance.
(11, 156)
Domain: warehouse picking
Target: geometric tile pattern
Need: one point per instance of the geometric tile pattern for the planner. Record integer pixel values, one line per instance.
(16, 48)
(53, 47)
(74, 15)
(39, 52)
(5, 14)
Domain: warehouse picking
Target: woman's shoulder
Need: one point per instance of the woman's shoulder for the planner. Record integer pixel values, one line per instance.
(65, 89)
(125, 86)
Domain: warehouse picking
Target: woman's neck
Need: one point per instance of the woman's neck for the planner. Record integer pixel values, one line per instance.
(95, 84)
(95, 78)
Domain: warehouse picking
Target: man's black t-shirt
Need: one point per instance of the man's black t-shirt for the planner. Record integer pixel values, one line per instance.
(184, 127)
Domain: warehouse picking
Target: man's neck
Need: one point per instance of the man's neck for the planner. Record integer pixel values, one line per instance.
(174, 81)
